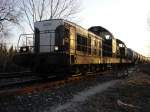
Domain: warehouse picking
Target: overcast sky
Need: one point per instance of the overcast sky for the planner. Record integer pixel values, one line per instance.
(126, 19)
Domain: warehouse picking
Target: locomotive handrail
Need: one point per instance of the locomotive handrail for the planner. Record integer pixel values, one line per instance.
(20, 38)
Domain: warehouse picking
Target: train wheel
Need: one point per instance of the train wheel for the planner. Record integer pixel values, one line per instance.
(83, 70)
(77, 70)
(117, 71)
(35, 68)
(92, 68)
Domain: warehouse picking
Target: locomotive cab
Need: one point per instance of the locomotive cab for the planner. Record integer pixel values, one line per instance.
(121, 49)
(51, 37)
(109, 42)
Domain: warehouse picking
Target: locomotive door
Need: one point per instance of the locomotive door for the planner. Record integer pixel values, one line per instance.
(72, 44)
(72, 40)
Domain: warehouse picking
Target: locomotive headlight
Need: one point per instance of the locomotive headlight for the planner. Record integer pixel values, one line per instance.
(56, 48)
(24, 49)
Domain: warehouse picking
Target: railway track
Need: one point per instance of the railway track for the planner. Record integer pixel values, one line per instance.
(30, 83)
(16, 74)
(20, 79)
(16, 82)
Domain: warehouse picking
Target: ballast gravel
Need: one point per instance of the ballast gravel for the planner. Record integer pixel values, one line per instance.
(56, 100)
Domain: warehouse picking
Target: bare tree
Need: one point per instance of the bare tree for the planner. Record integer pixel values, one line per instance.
(9, 14)
(37, 10)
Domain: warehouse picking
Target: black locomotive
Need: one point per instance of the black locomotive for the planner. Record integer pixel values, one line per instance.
(63, 46)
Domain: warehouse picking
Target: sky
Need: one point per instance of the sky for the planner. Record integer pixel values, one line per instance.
(126, 19)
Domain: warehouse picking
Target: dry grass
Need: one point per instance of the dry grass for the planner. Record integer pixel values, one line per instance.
(136, 90)
(133, 93)
(139, 79)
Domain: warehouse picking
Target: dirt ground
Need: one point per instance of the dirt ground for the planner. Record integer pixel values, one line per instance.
(133, 95)
(122, 95)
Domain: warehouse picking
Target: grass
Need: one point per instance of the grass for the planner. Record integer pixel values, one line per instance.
(134, 93)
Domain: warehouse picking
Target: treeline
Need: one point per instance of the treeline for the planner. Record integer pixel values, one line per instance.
(6, 59)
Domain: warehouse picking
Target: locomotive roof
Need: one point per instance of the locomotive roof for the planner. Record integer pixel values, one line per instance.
(75, 25)
(119, 41)
(101, 29)
(69, 22)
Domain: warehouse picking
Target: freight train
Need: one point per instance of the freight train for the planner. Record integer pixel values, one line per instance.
(61, 46)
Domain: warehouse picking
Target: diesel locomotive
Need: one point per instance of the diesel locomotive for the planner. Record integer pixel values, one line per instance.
(62, 46)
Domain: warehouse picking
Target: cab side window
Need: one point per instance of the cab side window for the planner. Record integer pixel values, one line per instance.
(81, 43)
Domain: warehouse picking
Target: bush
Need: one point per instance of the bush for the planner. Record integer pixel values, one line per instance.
(6, 59)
